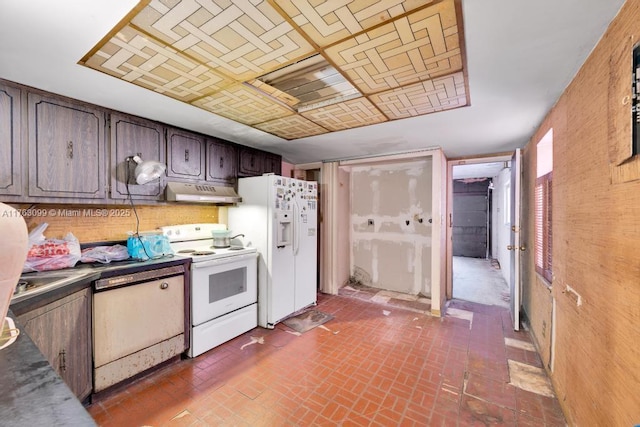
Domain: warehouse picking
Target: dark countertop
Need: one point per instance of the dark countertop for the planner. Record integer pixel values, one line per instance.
(83, 276)
(32, 393)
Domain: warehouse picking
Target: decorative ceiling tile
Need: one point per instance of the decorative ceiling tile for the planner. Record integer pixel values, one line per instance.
(136, 58)
(345, 115)
(243, 104)
(417, 47)
(291, 127)
(293, 68)
(242, 39)
(441, 93)
(329, 21)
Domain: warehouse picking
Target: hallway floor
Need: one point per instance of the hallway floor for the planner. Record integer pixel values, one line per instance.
(479, 280)
(374, 364)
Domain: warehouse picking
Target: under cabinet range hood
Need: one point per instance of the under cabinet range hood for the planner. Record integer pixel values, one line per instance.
(200, 193)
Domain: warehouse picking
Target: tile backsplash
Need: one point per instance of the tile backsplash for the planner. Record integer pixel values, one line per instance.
(102, 223)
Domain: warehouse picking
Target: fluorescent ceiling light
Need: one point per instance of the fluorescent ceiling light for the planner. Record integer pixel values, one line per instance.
(313, 81)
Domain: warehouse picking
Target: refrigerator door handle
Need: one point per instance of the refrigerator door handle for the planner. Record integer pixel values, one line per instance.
(296, 228)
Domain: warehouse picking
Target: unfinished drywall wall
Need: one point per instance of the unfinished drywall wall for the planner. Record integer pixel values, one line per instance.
(596, 241)
(391, 226)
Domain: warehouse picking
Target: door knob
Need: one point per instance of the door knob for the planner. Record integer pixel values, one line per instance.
(509, 247)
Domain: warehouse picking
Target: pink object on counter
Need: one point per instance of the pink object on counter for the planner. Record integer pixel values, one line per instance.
(13, 253)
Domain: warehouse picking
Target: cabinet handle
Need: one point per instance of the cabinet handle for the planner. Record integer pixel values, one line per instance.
(251, 161)
(221, 162)
(186, 155)
(70, 149)
(63, 361)
(164, 285)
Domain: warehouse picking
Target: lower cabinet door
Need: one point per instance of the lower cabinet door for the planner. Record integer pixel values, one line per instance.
(62, 332)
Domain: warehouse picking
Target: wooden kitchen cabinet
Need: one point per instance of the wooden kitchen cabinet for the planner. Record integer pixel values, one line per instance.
(10, 134)
(131, 136)
(272, 164)
(185, 155)
(62, 332)
(254, 162)
(66, 149)
(221, 162)
(250, 162)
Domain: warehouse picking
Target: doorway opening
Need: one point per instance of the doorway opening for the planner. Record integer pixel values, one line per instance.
(480, 232)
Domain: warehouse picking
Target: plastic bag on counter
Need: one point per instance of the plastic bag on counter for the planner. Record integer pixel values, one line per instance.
(50, 254)
(148, 245)
(105, 254)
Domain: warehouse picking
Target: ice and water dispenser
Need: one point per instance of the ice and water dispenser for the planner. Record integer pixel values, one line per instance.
(284, 227)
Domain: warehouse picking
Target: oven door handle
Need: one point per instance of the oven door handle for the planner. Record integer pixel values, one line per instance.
(225, 260)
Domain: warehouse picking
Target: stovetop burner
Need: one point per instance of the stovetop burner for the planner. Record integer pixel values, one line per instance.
(202, 253)
(195, 241)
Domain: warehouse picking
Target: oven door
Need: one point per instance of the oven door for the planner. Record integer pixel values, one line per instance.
(223, 285)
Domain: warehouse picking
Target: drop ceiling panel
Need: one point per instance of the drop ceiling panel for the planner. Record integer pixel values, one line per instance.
(326, 22)
(243, 104)
(293, 68)
(292, 127)
(439, 94)
(417, 47)
(273, 92)
(242, 39)
(136, 58)
(345, 115)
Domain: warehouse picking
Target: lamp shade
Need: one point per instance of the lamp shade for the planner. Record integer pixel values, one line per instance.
(147, 170)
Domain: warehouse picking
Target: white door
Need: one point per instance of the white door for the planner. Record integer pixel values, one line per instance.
(515, 247)
(305, 247)
(280, 287)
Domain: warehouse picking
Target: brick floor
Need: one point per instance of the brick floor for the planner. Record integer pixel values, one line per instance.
(372, 365)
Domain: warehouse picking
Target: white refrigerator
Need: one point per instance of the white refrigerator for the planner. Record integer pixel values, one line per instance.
(279, 216)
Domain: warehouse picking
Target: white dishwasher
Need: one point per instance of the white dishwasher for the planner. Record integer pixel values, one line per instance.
(138, 322)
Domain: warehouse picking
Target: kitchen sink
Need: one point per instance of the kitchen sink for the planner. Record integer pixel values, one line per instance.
(31, 284)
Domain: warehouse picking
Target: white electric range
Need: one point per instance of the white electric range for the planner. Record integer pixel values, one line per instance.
(224, 285)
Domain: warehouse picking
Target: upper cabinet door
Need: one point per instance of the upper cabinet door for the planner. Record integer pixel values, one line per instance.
(251, 162)
(273, 164)
(132, 136)
(10, 146)
(185, 155)
(66, 149)
(221, 162)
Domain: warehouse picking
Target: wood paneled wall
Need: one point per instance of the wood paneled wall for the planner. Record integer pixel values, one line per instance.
(96, 223)
(596, 248)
